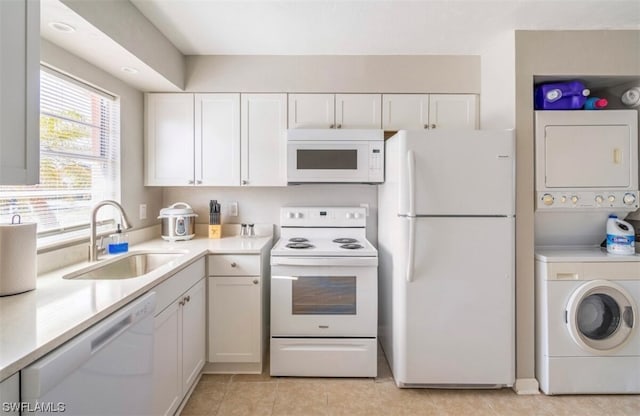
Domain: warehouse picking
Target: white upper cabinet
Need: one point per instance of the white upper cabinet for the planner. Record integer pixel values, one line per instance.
(263, 144)
(169, 141)
(429, 111)
(458, 111)
(217, 144)
(311, 111)
(405, 111)
(19, 92)
(358, 111)
(329, 111)
(193, 140)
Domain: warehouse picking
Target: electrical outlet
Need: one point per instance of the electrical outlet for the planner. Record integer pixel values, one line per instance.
(233, 209)
(143, 211)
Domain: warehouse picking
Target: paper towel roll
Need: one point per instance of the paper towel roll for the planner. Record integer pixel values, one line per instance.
(18, 260)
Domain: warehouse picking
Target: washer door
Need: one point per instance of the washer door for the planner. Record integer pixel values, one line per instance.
(600, 316)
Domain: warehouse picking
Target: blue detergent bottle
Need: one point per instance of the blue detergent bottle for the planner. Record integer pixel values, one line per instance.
(118, 242)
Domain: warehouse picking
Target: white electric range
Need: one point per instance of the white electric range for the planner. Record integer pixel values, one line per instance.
(324, 294)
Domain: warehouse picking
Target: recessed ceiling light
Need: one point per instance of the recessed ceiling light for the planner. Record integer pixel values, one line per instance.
(62, 27)
(129, 70)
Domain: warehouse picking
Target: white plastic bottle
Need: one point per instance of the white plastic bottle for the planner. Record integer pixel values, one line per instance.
(621, 238)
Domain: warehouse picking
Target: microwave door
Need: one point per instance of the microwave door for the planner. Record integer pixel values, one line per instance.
(322, 162)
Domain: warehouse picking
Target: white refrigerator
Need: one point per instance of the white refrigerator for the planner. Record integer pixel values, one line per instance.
(446, 254)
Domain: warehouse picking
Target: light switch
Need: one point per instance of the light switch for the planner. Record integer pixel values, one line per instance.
(233, 209)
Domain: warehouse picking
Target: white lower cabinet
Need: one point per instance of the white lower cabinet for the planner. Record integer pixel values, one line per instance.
(10, 395)
(179, 337)
(237, 315)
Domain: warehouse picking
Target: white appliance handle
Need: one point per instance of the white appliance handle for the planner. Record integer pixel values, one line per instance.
(411, 248)
(411, 182)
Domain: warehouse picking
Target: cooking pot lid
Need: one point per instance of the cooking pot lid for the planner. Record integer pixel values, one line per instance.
(174, 209)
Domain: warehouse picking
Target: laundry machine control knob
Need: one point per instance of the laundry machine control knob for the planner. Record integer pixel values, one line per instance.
(611, 198)
(563, 199)
(547, 199)
(599, 199)
(629, 199)
(574, 199)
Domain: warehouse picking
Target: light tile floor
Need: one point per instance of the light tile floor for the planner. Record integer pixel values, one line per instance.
(262, 395)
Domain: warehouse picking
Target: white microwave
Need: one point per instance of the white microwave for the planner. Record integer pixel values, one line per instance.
(335, 156)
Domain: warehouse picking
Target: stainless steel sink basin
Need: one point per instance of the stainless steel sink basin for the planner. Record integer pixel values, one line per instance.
(133, 264)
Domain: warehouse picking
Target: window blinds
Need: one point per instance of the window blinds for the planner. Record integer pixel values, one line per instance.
(79, 158)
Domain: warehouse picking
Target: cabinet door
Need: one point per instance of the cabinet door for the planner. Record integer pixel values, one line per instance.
(169, 146)
(263, 144)
(405, 112)
(457, 111)
(19, 92)
(315, 111)
(234, 319)
(358, 111)
(10, 395)
(217, 139)
(193, 334)
(167, 367)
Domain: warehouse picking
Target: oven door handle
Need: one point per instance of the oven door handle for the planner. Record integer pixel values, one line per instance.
(325, 261)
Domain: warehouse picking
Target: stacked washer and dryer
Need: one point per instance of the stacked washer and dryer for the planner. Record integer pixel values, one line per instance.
(587, 317)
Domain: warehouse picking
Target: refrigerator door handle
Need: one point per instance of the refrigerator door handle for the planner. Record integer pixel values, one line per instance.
(411, 248)
(411, 182)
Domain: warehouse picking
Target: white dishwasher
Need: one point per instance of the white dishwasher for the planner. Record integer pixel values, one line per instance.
(106, 370)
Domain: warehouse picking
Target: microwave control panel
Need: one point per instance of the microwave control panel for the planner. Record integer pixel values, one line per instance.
(376, 162)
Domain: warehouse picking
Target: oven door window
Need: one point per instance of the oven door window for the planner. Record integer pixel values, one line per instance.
(324, 295)
(321, 159)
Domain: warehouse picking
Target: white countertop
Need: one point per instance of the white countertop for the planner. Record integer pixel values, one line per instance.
(36, 322)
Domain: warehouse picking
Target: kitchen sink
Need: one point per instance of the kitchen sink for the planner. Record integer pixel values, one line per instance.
(133, 264)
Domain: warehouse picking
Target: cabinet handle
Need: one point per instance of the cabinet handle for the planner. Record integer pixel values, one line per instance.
(234, 264)
(256, 281)
(181, 303)
(187, 298)
(190, 182)
(199, 182)
(332, 126)
(433, 126)
(426, 127)
(339, 126)
(244, 182)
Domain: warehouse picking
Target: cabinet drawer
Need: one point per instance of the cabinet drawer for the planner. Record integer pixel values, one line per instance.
(173, 287)
(234, 264)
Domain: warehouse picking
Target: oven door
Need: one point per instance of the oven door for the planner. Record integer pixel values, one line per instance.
(324, 297)
(321, 161)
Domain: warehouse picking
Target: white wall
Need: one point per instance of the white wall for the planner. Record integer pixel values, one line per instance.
(262, 205)
(133, 192)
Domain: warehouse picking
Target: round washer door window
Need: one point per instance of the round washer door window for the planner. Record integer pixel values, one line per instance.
(600, 316)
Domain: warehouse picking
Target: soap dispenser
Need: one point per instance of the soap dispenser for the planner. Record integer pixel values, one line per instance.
(118, 242)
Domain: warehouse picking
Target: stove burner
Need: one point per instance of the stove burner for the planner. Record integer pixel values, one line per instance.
(299, 245)
(345, 241)
(351, 246)
(298, 240)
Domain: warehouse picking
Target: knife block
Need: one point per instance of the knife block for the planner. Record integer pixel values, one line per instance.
(215, 231)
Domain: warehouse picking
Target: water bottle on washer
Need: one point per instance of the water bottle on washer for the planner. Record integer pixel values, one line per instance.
(621, 237)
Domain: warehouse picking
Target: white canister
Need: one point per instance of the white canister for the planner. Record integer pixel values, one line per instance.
(18, 261)
(620, 237)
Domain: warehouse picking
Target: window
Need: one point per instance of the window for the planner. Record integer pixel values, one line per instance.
(79, 160)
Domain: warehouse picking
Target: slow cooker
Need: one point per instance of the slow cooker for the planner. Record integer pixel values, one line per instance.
(178, 222)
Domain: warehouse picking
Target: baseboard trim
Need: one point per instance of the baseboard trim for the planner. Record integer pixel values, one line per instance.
(526, 386)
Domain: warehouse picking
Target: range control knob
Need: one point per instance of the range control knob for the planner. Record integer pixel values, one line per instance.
(299, 215)
(629, 199)
(611, 198)
(574, 199)
(356, 215)
(291, 215)
(349, 215)
(547, 199)
(599, 199)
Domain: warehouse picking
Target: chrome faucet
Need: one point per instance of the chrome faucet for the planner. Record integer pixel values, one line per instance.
(93, 247)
